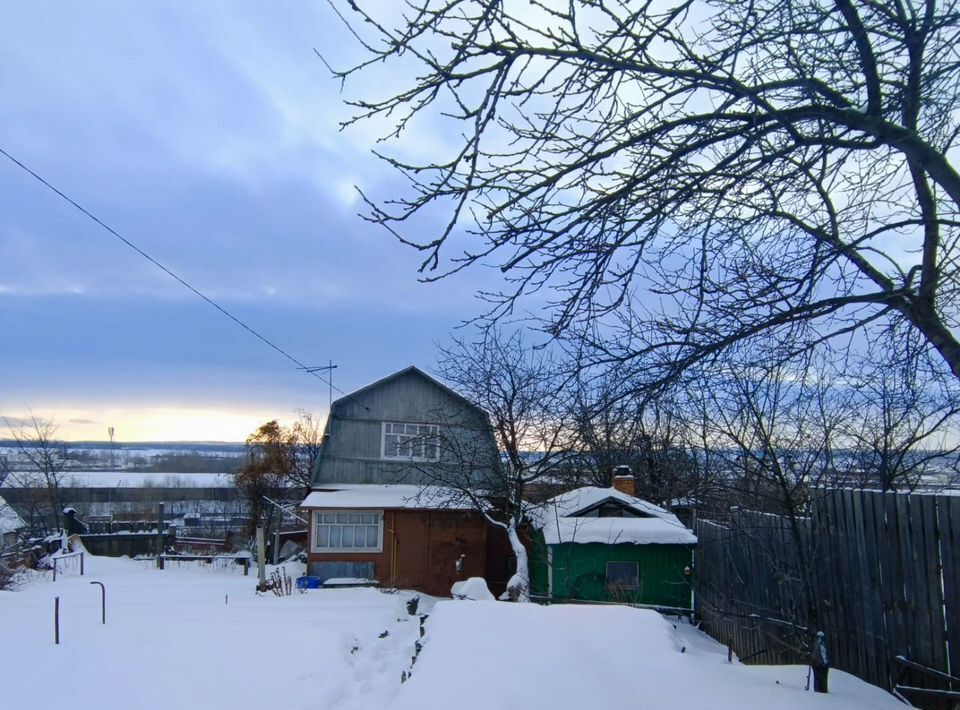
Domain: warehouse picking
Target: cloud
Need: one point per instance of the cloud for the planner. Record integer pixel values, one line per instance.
(206, 133)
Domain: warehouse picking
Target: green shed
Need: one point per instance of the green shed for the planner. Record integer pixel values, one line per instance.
(601, 544)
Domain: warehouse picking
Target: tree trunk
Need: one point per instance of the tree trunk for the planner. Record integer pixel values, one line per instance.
(518, 588)
(937, 334)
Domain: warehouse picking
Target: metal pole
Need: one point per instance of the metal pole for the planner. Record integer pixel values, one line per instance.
(159, 535)
(276, 547)
(81, 564)
(56, 620)
(103, 602)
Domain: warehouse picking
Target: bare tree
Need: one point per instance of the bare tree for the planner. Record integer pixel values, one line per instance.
(902, 425)
(306, 438)
(521, 390)
(39, 463)
(775, 431)
(704, 171)
(613, 427)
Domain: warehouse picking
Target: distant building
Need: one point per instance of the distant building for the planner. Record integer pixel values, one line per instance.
(11, 525)
(374, 509)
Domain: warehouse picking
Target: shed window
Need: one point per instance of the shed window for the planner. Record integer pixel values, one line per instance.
(345, 530)
(410, 442)
(624, 575)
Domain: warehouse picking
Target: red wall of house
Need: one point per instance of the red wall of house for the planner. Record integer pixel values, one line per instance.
(421, 548)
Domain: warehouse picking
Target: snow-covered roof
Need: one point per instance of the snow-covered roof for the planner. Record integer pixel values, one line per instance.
(360, 495)
(572, 502)
(9, 519)
(559, 521)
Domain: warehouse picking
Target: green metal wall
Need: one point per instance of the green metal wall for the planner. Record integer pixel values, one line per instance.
(579, 572)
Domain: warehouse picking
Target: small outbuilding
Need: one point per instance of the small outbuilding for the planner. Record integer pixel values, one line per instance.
(606, 545)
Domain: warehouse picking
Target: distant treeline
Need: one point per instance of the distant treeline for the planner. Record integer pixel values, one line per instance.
(147, 457)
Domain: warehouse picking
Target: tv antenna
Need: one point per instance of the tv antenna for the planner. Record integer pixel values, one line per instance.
(329, 368)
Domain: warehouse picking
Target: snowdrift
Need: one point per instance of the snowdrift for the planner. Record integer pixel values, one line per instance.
(521, 656)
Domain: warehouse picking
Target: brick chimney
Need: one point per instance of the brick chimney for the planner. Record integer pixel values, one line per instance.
(624, 481)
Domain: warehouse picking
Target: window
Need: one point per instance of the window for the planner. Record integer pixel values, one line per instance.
(410, 442)
(623, 575)
(342, 530)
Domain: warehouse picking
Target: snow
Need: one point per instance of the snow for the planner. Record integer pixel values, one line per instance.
(197, 636)
(576, 500)
(521, 656)
(137, 479)
(558, 520)
(473, 589)
(9, 520)
(389, 496)
(612, 531)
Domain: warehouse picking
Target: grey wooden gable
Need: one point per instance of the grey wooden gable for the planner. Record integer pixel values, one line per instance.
(352, 442)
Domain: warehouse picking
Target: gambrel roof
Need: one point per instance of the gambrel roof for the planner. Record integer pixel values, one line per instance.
(411, 370)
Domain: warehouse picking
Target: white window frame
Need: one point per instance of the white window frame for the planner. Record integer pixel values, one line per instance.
(434, 432)
(317, 522)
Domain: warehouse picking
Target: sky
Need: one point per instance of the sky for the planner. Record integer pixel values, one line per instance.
(207, 134)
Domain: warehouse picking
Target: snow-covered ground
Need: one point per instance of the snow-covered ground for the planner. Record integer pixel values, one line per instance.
(133, 479)
(565, 656)
(198, 637)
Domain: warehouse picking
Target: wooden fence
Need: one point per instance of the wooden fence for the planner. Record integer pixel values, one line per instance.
(878, 573)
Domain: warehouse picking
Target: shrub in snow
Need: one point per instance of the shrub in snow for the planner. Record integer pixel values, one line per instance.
(7, 577)
(474, 589)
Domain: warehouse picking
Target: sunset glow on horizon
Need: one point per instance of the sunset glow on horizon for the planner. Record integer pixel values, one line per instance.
(161, 423)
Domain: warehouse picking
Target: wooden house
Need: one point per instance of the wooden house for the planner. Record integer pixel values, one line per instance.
(606, 545)
(375, 509)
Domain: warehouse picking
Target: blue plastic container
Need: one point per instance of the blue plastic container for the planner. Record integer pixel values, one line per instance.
(307, 582)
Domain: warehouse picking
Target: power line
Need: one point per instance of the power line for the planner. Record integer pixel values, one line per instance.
(174, 276)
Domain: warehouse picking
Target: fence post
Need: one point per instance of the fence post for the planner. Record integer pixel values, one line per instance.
(820, 662)
(81, 564)
(56, 620)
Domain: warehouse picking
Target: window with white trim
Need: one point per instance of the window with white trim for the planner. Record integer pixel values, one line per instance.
(405, 441)
(348, 530)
